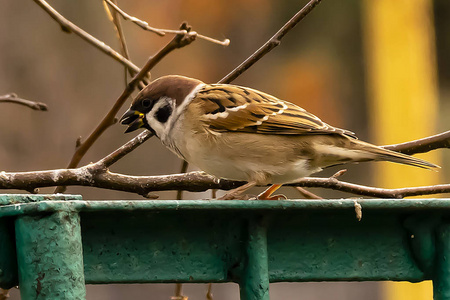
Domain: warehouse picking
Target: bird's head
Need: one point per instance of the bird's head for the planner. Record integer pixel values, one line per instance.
(157, 103)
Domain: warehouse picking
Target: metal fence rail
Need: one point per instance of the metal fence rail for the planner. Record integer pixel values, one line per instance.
(52, 245)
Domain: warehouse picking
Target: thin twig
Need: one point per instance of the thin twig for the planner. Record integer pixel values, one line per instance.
(12, 98)
(144, 25)
(69, 27)
(307, 194)
(140, 23)
(112, 158)
(115, 19)
(339, 173)
(334, 184)
(271, 43)
(424, 145)
(178, 41)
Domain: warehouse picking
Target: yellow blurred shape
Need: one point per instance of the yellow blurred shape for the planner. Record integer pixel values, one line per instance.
(403, 96)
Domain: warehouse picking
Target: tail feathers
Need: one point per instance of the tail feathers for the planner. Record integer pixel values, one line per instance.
(381, 154)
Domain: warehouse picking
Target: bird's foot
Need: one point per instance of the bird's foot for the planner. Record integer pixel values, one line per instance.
(274, 197)
(237, 192)
(230, 196)
(267, 194)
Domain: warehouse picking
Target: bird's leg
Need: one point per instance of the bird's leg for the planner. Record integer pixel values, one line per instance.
(267, 194)
(235, 193)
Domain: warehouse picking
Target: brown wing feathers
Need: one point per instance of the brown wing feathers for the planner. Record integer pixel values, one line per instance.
(263, 113)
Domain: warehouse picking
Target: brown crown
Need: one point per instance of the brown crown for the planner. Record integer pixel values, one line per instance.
(173, 86)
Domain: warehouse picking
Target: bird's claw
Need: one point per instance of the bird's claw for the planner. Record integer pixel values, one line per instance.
(275, 197)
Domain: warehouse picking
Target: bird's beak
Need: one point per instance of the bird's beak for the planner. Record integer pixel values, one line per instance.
(134, 120)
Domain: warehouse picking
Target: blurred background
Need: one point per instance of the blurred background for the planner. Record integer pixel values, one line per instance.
(376, 67)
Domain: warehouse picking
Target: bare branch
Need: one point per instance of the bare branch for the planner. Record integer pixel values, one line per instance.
(140, 23)
(93, 175)
(144, 25)
(113, 16)
(69, 27)
(97, 175)
(13, 98)
(334, 184)
(271, 43)
(424, 145)
(112, 158)
(178, 41)
(115, 19)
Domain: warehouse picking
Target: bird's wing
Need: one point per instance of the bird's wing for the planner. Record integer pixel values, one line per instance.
(239, 109)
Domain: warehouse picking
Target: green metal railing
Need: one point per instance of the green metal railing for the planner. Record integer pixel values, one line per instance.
(52, 245)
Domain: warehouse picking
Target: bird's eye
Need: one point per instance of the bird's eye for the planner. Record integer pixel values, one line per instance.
(146, 103)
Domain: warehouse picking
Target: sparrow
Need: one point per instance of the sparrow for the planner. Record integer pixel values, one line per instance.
(239, 133)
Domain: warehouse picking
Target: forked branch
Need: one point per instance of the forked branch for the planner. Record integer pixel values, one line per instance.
(95, 176)
(178, 41)
(144, 25)
(70, 27)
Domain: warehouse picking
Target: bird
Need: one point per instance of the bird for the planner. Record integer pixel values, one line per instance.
(239, 133)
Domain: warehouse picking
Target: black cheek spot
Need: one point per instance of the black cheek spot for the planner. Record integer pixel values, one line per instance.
(163, 114)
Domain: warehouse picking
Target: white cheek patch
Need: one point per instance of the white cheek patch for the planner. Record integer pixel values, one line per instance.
(156, 125)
